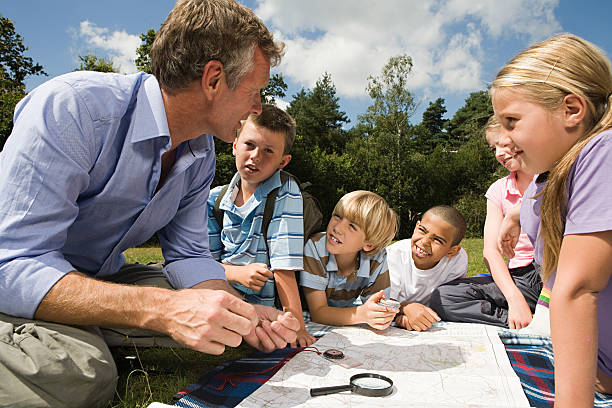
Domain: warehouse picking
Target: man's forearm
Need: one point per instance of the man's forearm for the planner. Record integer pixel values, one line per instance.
(80, 300)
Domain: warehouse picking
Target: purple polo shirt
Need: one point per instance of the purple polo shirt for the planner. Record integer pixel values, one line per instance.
(589, 210)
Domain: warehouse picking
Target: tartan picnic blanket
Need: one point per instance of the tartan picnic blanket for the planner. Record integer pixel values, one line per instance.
(531, 357)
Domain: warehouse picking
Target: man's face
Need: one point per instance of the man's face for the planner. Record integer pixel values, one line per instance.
(431, 241)
(259, 153)
(235, 105)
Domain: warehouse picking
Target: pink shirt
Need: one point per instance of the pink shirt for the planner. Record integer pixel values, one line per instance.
(505, 194)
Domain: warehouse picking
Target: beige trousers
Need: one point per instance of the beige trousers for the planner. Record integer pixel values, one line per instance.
(44, 364)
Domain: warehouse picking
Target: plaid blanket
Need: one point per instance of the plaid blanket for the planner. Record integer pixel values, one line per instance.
(233, 381)
(531, 358)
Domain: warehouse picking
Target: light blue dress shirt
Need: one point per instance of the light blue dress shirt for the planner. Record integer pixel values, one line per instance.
(77, 187)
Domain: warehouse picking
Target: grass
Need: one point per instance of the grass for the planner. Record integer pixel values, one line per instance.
(473, 247)
(156, 374)
(143, 255)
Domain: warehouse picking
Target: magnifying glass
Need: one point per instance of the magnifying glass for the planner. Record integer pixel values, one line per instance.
(368, 384)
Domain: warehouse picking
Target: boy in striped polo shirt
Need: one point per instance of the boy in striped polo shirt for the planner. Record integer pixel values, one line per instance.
(348, 262)
(262, 149)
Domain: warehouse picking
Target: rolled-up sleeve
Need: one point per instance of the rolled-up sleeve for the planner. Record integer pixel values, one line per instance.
(44, 166)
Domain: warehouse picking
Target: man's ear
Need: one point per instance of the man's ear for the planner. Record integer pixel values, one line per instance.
(574, 110)
(454, 250)
(285, 161)
(212, 76)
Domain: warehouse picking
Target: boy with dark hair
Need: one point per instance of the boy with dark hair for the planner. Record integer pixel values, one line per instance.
(256, 268)
(430, 258)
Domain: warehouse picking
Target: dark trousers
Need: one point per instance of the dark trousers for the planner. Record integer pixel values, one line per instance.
(479, 300)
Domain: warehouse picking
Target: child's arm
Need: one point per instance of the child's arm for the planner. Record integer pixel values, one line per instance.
(583, 271)
(370, 312)
(290, 299)
(509, 231)
(253, 276)
(519, 313)
(415, 316)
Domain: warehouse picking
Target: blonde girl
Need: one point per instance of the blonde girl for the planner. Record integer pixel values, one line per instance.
(553, 103)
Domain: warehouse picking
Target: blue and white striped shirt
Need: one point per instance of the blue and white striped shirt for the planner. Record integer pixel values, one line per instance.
(241, 241)
(321, 273)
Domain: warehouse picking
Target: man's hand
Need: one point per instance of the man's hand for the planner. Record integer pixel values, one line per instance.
(417, 317)
(207, 320)
(276, 329)
(253, 276)
(377, 316)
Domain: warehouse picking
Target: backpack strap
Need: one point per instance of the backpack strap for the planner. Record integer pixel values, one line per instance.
(269, 209)
(218, 212)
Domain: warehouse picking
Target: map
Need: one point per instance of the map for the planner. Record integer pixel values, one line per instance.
(450, 365)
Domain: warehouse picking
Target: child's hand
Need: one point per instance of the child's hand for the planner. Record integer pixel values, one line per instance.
(417, 317)
(377, 316)
(304, 339)
(509, 231)
(253, 276)
(519, 314)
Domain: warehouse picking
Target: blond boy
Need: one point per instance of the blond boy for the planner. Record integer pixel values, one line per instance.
(430, 258)
(348, 263)
(255, 268)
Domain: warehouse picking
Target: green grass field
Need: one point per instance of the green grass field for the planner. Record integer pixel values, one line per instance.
(156, 374)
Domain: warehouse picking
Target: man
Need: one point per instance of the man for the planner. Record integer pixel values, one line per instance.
(97, 163)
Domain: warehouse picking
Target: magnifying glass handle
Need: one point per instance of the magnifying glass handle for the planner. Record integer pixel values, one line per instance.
(315, 392)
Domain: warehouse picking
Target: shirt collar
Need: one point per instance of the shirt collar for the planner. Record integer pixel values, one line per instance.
(364, 265)
(149, 113)
(261, 192)
(264, 188)
(150, 119)
(512, 186)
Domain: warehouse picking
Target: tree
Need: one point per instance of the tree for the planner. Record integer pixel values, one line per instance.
(95, 63)
(433, 119)
(143, 52)
(276, 88)
(431, 131)
(318, 117)
(14, 68)
(393, 103)
(470, 118)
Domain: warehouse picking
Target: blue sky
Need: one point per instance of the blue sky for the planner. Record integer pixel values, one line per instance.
(457, 46)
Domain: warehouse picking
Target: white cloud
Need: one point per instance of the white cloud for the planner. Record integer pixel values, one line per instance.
(352, 39)
(120, 46)
(281, 104)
